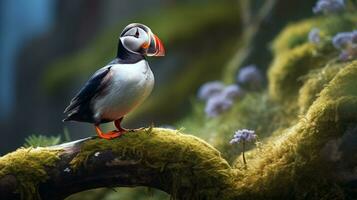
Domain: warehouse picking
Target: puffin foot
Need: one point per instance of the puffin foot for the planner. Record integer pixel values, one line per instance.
(110, 135)
(117, 124)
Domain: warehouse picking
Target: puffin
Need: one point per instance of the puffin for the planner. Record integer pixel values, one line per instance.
(118, 88)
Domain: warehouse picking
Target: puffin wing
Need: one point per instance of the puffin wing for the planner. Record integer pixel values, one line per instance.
(95, 86)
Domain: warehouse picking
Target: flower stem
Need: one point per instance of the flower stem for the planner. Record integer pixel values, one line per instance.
(244, 161)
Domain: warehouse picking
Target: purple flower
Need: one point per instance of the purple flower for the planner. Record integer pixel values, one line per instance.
(210, 89)
(328, 6)
(232, 92)
(342, 40)
(344, 56)
(217, 105)
(314, 36)
(346, 42)
(243, 135)
(354, 36)
(250, 76)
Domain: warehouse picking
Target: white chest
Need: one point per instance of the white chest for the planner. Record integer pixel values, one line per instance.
(129, 86)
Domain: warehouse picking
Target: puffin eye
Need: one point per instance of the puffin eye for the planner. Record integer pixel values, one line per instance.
(137, 33)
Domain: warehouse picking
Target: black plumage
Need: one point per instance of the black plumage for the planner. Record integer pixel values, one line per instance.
(80, 106)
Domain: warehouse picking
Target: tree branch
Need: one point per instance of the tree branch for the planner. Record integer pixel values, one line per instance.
(181, 165)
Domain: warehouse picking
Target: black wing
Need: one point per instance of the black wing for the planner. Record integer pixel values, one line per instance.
(79, 109)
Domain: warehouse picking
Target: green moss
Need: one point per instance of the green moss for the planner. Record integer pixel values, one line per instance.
(288, 67)
(42, 140)
(281, 168)
(28, 166)
(254, 112)
(314, 83)
(169, 151)
(295, 57)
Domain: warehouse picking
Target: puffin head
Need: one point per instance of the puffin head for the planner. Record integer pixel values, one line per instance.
(139, 39)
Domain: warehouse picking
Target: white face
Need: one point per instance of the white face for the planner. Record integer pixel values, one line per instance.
(135, 39)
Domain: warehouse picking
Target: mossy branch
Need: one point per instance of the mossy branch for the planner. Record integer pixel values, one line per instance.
(181, 165)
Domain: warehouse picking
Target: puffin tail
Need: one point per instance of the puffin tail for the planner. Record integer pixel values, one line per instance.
(66, 119)
(70, 117)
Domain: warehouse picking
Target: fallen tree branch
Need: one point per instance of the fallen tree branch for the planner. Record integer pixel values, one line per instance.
(181, 165)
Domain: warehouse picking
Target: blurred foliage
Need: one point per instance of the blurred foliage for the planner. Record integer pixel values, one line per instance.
(44, 141)
(41, 141)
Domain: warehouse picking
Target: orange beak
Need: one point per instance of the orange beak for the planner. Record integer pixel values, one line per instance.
(156, 48)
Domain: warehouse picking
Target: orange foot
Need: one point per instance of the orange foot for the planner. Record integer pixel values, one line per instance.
(110, 135)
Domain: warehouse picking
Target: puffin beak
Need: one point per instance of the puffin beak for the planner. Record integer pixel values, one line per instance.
(156, 48)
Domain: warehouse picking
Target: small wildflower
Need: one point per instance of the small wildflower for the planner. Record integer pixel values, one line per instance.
(250, 76)
(243, 136)
(96, 154)
(210, 89)
(314, 36)
(217, 105)
(232, 91)
(328, 6)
